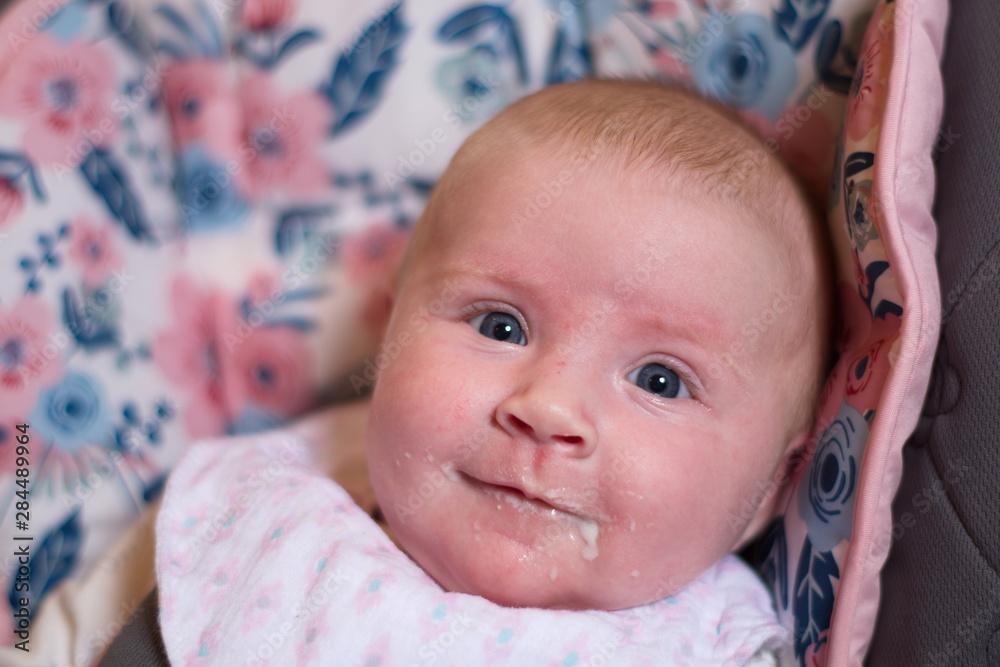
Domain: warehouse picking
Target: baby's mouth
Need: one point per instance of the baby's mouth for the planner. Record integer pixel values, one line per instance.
(516, 497)
(578, 525)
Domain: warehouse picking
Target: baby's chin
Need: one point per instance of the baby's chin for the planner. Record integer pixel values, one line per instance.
(510, 580)
(516, 591)
(539, 595)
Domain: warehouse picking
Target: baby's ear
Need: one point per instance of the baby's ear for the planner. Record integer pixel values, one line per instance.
(380, 308)
(763, 503)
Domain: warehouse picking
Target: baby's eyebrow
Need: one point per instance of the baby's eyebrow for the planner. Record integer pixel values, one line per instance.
(722, 352)
(739, 370)
(457, 272)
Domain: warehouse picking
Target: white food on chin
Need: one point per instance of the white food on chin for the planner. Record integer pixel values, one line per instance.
(449, 471)
(588, 531)
(587, 528)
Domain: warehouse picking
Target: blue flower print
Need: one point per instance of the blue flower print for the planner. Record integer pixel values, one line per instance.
(199, 37)
(746, 66)
(208, 194)
(476, 83)
(73, 413)
(826, 496)
(68, 22)
(592, 15)
(360, 73)
(253, 420)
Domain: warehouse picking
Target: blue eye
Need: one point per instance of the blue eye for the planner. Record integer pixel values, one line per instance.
(660, 380)
(500, 326)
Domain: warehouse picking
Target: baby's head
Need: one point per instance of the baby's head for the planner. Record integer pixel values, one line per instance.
(610, 328)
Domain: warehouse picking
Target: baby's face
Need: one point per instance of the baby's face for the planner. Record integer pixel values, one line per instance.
(558, 424)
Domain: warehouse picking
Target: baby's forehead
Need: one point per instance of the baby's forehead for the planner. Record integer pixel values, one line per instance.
(537, 172)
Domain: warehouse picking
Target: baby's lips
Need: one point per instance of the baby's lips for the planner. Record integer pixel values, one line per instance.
(574, 503)
(534, 492)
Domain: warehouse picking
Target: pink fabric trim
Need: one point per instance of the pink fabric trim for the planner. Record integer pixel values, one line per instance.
(905, 189)
(13, 26)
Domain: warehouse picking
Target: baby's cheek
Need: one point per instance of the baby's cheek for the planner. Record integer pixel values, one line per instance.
(407, 383)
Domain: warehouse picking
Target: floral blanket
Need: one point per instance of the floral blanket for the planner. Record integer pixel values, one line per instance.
(198, 202)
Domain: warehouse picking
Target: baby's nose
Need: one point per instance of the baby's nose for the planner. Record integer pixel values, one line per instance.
(549, 412)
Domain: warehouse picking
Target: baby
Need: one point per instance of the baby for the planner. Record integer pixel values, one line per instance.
(581, 307)
(612, 324)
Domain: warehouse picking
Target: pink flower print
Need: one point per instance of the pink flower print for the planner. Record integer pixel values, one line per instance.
(663, 9)
(867, 373)
(192, 354)
(274, 366)
(202, 106)
(264, 287)
(575, 650)
(316, 629)
(371, 259)
(30, 355)
(221, 584)
(867, 94)
(325, 572)
(274, 537)
(280, 140)
(261, 606)
(327, 516)
(204, 653)
(225, 362)
(855, 335)
(374, 253)
(371, 592)
(441, 626)
(11, 200)
(379, 653)
(378, 550)
(433, 620)
(63, 93)
(506, 635)
(670, 66)
(261, 15)
(93, 249)
(865, 281)
(286, 490)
